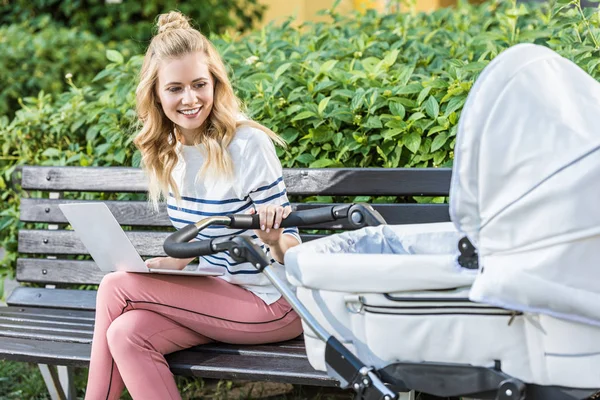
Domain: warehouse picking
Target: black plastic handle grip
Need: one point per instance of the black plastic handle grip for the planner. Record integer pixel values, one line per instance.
(178, 244)
(296, 218)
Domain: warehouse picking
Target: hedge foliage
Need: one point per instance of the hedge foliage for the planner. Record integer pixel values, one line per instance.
(43, 40)
(132, 20)
(34, 59)
(374, 91)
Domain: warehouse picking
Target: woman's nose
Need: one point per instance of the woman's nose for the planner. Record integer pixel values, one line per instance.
(188, 97)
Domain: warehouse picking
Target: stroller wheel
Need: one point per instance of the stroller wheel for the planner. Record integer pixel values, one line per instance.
(511, 389)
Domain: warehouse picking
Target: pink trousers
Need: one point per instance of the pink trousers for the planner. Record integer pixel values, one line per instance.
(142, 317)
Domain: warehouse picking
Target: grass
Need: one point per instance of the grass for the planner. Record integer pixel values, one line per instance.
(23, 381)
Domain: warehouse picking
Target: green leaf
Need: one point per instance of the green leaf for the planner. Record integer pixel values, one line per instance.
(397, 109)
(120, 156)
(337, 139)
(51, 152)
(439, 141)
(454, 104)
(390, 57)
(373, 122)
(136, 160)
(321, 163)
(260, 77)
(281, 70)
(381, 153)
(327, 66)
(432, 107)
(305, 158)
(361, 199)
(405, 75)
(114, 56)
(412, 142)
(423, 94)
(323, 104)
(357, 100)
(303, 115)
(392, 133)
(416, 116)
(321, 134)
(439, 157)
(436, 129)
(410, 89)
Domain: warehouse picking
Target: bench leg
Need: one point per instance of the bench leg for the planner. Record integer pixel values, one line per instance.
(50, 375)
(67, 381)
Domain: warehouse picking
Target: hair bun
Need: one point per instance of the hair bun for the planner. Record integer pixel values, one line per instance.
(172, 20)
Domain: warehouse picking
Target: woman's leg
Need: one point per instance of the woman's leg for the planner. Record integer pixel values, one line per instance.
(138, 341)
(211, 307)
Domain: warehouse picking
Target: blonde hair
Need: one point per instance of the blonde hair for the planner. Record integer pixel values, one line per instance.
(157, 138)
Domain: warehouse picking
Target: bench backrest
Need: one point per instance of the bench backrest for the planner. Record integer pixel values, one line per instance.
(57, 245)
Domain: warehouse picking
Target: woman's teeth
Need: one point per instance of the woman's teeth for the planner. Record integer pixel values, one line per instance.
(190, 112)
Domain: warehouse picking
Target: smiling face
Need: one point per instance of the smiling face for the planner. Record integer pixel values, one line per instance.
(185, 90)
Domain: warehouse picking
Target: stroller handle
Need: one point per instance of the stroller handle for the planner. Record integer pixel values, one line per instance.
(180, 245)
(297, 218)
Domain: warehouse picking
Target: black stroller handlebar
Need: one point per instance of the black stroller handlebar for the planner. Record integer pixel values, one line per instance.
(180, 244)
(298, 218)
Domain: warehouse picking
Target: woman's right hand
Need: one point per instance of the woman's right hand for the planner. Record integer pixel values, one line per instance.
(168, 263)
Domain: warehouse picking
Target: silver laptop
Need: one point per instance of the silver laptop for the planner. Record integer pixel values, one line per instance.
(108, 244)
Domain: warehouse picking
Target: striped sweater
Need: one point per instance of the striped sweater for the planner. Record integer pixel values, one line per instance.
(257, 180)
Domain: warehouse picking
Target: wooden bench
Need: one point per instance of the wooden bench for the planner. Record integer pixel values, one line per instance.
(53, 325)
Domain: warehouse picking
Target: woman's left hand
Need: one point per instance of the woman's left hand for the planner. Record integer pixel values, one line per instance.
(271, 216)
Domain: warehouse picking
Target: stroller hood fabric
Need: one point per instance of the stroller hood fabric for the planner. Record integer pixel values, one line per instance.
(526, 184)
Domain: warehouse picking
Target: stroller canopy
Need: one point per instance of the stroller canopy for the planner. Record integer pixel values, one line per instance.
(526, 184)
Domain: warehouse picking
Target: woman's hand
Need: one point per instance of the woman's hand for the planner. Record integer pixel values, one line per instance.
(271, 216)
(270, 232)
(168, 262)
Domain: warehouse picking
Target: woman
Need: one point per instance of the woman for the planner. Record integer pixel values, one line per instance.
(204, 158)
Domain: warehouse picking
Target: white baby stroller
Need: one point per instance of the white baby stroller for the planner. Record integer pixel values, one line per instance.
(502, 303)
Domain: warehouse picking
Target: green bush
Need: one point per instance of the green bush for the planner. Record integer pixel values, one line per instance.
(32, 60)
(388, 91)
(132, 20)
(375, 91)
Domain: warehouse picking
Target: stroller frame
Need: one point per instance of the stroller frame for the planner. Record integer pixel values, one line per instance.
(447, 380)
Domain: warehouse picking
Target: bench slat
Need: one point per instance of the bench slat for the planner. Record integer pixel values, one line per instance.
(45, 352)
(67, 242)
(78, 179)
(43, 320)
(324, 181)
(44, 335)
(76, 316)
(58, 271)
(138, 213)
(53, 298)
(241, 367)
(48, 271)
(291, 348)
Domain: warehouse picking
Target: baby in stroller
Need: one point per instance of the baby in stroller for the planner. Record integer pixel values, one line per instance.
(501, 303)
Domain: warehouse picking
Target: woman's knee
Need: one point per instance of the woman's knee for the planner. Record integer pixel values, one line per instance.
(121, 336)
(111, 285)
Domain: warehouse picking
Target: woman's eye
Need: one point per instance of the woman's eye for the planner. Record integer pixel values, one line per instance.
(173, 89)
(200, 85)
